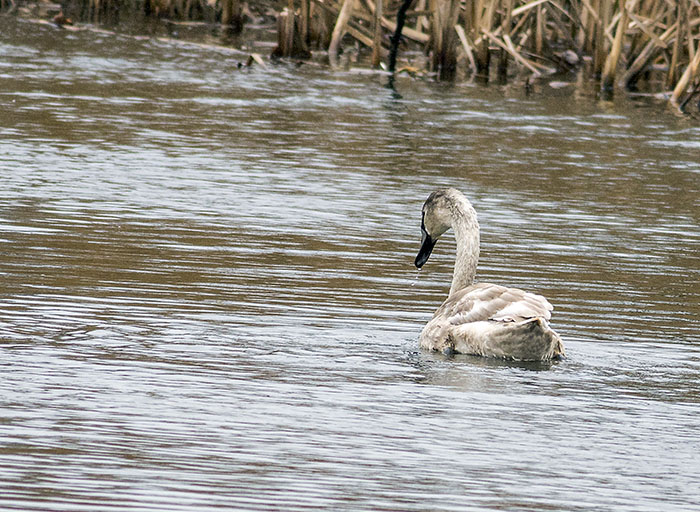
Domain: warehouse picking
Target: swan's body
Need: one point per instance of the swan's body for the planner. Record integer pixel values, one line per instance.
(480, 319)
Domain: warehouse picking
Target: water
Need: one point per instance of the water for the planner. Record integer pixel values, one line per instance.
(208, 299)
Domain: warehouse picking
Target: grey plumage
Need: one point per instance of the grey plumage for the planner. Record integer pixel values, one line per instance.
(482, 319)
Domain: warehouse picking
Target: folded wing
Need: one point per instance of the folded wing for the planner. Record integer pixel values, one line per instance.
(485, 301)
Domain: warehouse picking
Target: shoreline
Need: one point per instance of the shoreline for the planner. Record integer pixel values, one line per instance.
(258, 41)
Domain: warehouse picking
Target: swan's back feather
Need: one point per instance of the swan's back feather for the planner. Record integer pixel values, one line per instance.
(492, 320)
(485, 301)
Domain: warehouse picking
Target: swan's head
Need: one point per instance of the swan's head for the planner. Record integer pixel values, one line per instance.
(437, 218)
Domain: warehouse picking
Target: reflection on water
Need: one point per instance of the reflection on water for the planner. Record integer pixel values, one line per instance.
(208, 298)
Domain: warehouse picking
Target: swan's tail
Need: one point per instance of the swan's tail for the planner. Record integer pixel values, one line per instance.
(528, 340)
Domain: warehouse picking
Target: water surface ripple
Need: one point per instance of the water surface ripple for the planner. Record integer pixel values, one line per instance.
(208, 301)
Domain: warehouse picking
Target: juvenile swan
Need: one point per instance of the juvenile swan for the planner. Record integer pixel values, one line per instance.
(481, 319)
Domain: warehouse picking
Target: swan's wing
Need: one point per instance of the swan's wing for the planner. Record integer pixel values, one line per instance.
(492, 302)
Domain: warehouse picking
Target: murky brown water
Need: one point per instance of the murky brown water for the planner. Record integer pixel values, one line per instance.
(208, 301)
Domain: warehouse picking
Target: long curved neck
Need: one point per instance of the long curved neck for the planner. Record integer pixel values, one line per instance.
(466, 230)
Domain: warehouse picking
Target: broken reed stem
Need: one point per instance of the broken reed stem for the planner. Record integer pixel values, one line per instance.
(444, 54)
(422, 20)
(671, 78)
(645, 56)
(290, 25)
(437, 30)
(231, 15)
(608, 78)
(600, 46)
(689, 74)
(510, 49)
(391, 26)
(467, 47)
(377, 41)
(304, 22)
(691, 46)
(339, 31)
(505, 26)
(483, 21)
(539, 30)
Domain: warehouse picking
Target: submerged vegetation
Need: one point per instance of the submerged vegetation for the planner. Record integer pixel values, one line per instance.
(620, 43)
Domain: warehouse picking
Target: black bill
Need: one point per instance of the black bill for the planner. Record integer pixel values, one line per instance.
(426, 247)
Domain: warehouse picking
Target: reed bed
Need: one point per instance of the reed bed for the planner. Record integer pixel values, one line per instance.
(621, 41)
(229, 13)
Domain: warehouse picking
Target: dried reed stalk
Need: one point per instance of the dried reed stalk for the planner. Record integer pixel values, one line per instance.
(467, 47)
(608, 78)
(231, 14)
(304, 22)
(539, 30)
(672, 76)
(422, 20)
(339, 31)
(377, 40)
(505, 30)
(645, 56)
(510, 49)
(689, 74)
(407, 32)
(444, 58)
(290, 25)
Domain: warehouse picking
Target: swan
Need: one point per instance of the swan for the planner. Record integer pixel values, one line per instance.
(480, 319)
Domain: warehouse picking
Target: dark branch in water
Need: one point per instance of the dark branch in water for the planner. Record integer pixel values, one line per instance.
(400, 20)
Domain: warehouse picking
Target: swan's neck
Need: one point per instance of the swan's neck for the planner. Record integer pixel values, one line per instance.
(466, 230)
